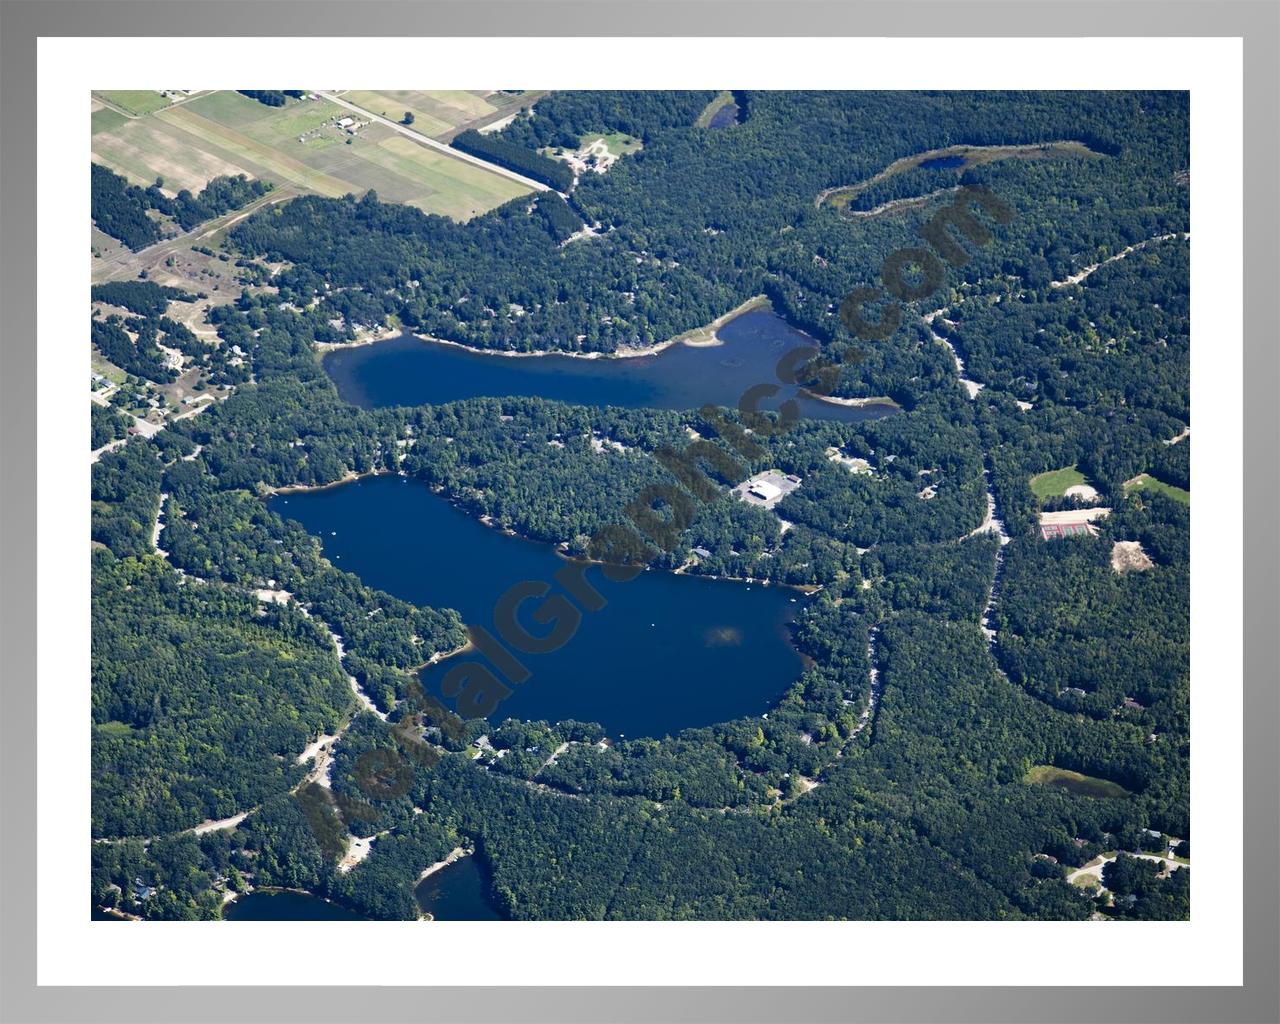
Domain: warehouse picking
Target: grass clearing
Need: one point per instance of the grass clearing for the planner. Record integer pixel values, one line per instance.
(104, 119)
(1074, 782)
(1055, 482)
(1146, 482)
(619, 143)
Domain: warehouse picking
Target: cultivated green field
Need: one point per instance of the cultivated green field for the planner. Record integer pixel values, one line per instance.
(1146, 482)
(298, 144)
(437, 113)
(1055, 483)
(1074, 782)
(136, 101)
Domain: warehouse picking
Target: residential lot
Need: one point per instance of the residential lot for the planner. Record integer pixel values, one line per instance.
(304, 144)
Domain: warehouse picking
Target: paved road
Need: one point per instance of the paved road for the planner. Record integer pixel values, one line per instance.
(1094, 867)
(431, 143)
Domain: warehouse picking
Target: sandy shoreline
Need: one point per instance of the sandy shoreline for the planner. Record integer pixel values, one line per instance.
(362, 338)
(853, 403)
(456, 854)
(698, 337)
(350, 477)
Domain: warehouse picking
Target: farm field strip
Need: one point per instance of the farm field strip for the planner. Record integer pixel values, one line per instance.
(394, 104)
(299, 146)
(276, 162)
(458, 190)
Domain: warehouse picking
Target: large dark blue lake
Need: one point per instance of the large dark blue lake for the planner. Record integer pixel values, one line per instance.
(665, 653)
(411, 371)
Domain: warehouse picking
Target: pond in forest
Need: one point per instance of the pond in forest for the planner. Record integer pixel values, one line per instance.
(459, 892)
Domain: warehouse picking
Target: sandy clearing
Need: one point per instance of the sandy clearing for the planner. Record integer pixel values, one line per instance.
(313, 749)
(358, 851)
(219, 825)
(1080, 491)
(852, 403)
(1128, 555)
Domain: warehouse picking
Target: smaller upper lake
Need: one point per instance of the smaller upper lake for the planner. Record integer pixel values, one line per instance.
(411, 371)
(459, 892)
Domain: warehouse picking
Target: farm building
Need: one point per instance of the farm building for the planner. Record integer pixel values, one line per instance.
(764, 490)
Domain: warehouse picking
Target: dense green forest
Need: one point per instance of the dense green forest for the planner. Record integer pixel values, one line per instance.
(515, 158)
(894, 779)
(121, 210)
(106, 424)
(273, 97)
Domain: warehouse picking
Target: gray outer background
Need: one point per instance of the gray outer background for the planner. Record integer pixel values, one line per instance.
(1257, 22)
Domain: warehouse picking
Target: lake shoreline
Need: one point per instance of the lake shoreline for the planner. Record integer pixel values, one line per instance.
(697, 337)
